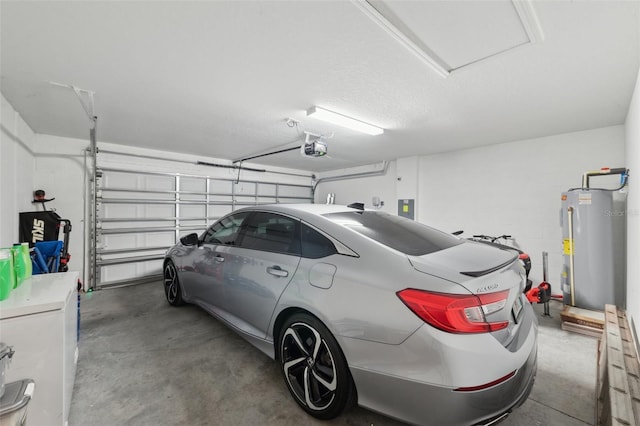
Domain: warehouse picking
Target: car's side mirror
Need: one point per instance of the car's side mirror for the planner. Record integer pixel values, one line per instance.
(190, 239)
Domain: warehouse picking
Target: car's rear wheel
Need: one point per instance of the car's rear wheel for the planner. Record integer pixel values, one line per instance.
(314, 367)
(172, 285)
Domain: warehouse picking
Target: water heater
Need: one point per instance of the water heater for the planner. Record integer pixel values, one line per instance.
(594, 244)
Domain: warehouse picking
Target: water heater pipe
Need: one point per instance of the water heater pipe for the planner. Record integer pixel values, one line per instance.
(605, 171)
(571, 265)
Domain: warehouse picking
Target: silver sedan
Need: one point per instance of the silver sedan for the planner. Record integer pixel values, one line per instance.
(363, 307)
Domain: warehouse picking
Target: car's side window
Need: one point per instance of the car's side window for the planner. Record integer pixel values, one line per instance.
(315, 245)
(272, 232)
(226, 231)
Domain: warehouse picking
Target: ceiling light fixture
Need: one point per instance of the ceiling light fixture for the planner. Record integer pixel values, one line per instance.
(344, 121)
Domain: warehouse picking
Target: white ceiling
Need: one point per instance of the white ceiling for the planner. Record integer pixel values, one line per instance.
(220, 78)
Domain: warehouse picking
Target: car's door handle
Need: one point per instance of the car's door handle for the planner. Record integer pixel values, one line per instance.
(219, 259)
(277, 271)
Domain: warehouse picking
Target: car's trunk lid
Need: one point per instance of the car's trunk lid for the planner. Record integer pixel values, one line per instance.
(482, 269)
(466, 264)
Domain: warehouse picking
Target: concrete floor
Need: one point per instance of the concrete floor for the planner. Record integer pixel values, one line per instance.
(143, 362)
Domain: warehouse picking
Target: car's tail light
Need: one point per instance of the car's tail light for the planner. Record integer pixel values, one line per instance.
(456, 313)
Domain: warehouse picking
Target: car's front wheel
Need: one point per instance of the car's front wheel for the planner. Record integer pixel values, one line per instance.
(172, 285)
(314, 367)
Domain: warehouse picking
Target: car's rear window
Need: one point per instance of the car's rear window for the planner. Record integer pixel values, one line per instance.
(399, 233)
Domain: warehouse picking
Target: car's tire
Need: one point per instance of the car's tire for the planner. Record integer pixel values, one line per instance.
(172, 289)
(314, 368)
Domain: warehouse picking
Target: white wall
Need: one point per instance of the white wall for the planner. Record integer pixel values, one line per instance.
(361, 190)
(16, 171)
(632, 149)
(59, 171)
(514, 188)
(408, 182)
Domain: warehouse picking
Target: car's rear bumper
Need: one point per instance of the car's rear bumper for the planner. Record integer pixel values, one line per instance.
(532, 369)
(418, 386)
(423, 404)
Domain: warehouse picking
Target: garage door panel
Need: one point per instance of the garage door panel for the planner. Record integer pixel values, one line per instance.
(217, 211)
(117, 211)
(119, 180)
(159, 239)
(157, 183)
(294, 191)
(264, 200)
(193, 184)
(130, 271)
(220, 187)
(267, 190)
(154, 210)
(189, 211)
(116, 242)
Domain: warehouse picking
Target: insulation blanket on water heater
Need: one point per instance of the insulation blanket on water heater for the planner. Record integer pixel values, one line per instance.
(596, 221)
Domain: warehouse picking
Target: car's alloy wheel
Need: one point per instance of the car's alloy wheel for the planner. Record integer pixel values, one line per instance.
(172, 285)
(314, 368)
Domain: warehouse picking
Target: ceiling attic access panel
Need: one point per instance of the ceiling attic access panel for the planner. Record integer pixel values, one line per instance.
(451, 35)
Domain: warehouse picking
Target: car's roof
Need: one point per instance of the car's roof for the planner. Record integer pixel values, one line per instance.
(312, 209)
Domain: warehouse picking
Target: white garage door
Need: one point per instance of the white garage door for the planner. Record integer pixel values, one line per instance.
(140, 214)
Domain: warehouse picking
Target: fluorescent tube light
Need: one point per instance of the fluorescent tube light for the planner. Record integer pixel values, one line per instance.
(344, 121)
